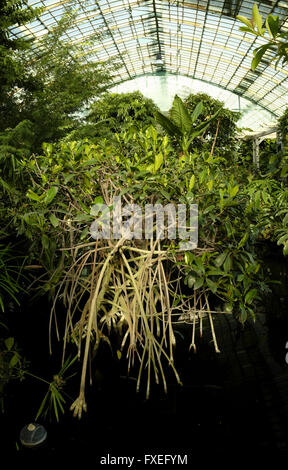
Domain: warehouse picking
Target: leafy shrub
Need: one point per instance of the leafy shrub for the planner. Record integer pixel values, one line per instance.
(224, 126)
(145, 168)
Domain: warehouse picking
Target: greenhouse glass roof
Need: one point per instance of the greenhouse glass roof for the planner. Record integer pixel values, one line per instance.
(199, 39)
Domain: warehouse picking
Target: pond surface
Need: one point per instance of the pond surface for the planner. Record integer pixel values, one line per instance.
(233, 403)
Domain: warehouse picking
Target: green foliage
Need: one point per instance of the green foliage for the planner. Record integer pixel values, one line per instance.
(204, 179)
(10, 275)
(63, 85)
(237, 212)
(14, 144)
(283, 126)
(13, 74)
(50, 85)
(54, 400)
(11, 13)
(12, 364)
(277, 41)
(144, 165)
(224, 127)
(182, 125)
(270, 158)
(116, 112)
(86, 154)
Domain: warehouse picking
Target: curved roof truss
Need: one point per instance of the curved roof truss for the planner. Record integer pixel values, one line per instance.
(196, 38)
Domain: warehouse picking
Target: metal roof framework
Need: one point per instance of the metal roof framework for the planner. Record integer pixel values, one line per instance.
(195, 38)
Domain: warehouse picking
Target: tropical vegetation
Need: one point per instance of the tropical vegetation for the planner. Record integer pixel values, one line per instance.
(58, 162)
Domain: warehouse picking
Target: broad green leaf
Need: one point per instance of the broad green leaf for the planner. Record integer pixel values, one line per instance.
(191, 182)
(158, 161)
(208, 209)
(285, 249)
(282, 240)
(165, 194)
(33, 196)
(248, 30)
(54, 220)
(284, 171)
(199, 283)
(153, 134)
(51, 193)
(13, 361)
(180, 115)
(227, 265)
(220, 259)
(258, 266)
(210, 185)
(44, 178)
(272, 24)
(229, 229)
(85, 217)
(190, 197)
(285, 220)
(257, 199)
(150, 168)
(202, 176)
(198, 270)
(258, 54)
(266, 197)
(191, 281)
(216, 272)
(200, 263)
(98, 200)
(268, 27)
(48, 148)
(228, 307)
(243, 240)
(45, 241)
(72, 145)
(195, 131)
(167, 124)
(252, 313)
(198, 110)
(85, 233)
(250, 296)
(257, 57)
(245, 20)
(234, 191)
(243, 315)
(212, 285)
(9, 342)
(257, 19)
(165, 141)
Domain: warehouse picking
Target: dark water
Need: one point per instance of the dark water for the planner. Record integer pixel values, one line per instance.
(231, 405)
